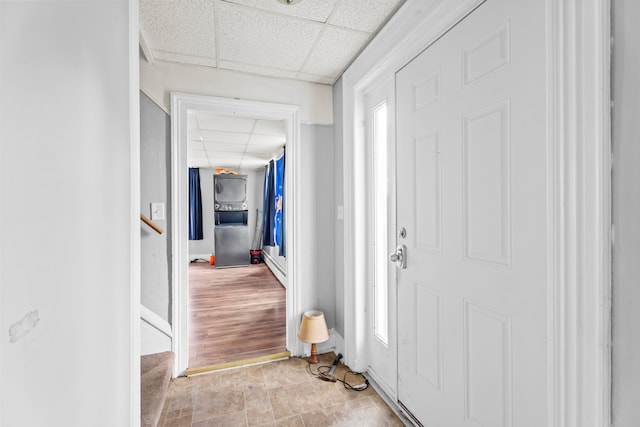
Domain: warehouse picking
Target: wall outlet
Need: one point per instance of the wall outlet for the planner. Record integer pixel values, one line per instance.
(157, 211)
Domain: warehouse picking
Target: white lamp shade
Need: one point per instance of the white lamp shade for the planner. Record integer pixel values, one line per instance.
(313, 328)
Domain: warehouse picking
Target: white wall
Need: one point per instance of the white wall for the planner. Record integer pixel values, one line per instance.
(66, 213)
(159, 79)
(626, 213)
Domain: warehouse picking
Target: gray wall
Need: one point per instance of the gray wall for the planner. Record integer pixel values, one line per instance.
(155, 186)
(339, 201)
(626, 213)
(317, 210)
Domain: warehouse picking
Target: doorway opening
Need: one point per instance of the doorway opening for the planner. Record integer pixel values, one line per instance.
(181, 106)
(236, 303)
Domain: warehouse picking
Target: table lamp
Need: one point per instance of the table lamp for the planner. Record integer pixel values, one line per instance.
(313, 329)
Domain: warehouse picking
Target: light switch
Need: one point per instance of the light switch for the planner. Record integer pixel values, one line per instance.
(157, 211)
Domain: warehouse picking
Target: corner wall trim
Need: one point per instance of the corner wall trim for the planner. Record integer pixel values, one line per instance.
(157, 322)
(275, 268)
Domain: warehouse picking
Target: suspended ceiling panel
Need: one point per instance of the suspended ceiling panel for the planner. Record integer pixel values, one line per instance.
(234, 143)
(313, 40)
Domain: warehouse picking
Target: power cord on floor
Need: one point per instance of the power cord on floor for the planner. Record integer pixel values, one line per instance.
(323, 374)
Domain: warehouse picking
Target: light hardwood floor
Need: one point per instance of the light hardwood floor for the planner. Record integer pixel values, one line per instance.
(234, 314)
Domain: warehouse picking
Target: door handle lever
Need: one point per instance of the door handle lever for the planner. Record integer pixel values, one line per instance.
(399, 257)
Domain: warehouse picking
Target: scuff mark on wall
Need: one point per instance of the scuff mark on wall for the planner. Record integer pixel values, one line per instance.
(24, 326)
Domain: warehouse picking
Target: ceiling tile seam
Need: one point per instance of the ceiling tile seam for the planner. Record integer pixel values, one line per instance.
(255, 122)
(198, 127)
(372, 35)
(235, 133)
(205, 148)
(311, 51)
(216, 29)
(183, 54)
(333, 11)
(257, 66)
(351, 30)
(229, 131)
(271, 12)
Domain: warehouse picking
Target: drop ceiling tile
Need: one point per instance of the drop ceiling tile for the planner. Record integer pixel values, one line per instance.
(267, 140)
(180, 26)
(260, 150)
(257, 69)
(226, 148)
(270, 127)
(161, 55)
(195, 145)
(257, 38)
(253, 163)
(363, 15)
(263, 157)
(198, 163)
(334, 50)
(224, 123)
(225, 137)
(216, 155)
(197, 154)
(315, 10)
(224, 162)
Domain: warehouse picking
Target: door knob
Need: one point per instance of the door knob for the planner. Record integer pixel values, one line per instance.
(399, 256)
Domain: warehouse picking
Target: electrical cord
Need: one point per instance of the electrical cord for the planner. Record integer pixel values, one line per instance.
(324, 370)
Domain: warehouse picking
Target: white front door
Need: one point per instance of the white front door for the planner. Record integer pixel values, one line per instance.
(472, 196)
(381, 277)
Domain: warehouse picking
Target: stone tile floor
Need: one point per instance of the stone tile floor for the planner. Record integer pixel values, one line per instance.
(280, 393)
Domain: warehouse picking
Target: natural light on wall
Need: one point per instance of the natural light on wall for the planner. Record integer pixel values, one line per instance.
(381, 195)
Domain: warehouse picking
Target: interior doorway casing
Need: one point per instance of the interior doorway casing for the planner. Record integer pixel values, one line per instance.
(181, 104)
(578, 191)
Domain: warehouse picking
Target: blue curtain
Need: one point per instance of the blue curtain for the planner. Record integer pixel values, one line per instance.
(268, 205)
(195, 205)
(281, 223)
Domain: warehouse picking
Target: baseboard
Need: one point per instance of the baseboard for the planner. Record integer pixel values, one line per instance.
(392, 402)
(151, 340)
(204, 257)
(155, 332)
(275, 268)
(338, 342)
(335, 343)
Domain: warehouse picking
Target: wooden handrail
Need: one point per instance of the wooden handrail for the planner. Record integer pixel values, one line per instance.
(150, 223)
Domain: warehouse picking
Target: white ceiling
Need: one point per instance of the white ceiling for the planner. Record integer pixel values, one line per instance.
(313, 40)
(232, 142)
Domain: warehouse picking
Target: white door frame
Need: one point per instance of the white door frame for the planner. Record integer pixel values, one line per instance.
(579, 191)
(181, 103)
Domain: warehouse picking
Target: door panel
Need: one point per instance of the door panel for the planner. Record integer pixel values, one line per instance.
(471, 193)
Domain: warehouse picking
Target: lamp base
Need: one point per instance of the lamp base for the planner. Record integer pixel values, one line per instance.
(314, 355)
